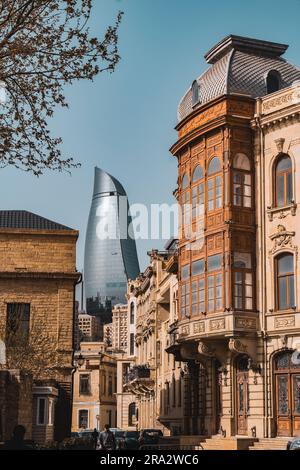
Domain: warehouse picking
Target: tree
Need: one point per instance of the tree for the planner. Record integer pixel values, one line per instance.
(45, 45)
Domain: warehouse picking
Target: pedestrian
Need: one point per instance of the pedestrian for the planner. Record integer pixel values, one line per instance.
(95, 436)
(17, 441)
(107, 439)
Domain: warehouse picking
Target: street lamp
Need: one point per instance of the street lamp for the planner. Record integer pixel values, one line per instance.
(80, 360)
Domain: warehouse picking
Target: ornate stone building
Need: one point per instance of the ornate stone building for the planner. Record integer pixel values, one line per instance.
(154, 378)
(37, 308)
(95, 386)
(238, 292)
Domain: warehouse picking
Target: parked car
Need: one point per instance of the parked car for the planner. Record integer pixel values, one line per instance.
(294, 444)
(131, 440)
(119, 437)
(150, 437)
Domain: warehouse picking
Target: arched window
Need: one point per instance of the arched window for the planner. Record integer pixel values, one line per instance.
(185, 181)
(198, 174)
(131, 414)
(273, 81)
(283, 181)
(285, 282)
(195, 92)
(242, 191)
(185, 205)
(214, 166)
(198, 192)
(132, 313)
(214, 185)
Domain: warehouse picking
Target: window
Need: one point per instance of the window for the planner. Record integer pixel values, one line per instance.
(197, 193)
(214, 283)
(283, 181)
(84, 384)
(198, 287)
(185, 300)
(185, 272)
(132, 313)
(41, 411)
(186, 212)
(185, 181)
(17, 322)
(214, 184)
(285, 281)
(214, 262)
(242, 191)
(110, 386)
(243, 281)
(273, 81)
(195, 93)
(131, 344)
(131, 414)
(198, 267)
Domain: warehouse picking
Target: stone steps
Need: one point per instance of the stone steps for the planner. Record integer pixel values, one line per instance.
(230, 443)
(277, 443)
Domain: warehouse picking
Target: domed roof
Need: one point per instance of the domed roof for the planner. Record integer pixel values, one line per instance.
(239, 66)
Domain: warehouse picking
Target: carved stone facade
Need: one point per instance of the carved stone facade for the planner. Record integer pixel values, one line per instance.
(239, 328)
(37, 289)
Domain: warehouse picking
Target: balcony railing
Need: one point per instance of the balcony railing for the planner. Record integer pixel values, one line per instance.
(138, 372)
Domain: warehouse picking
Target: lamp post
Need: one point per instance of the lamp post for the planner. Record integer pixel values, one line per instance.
(100, 377)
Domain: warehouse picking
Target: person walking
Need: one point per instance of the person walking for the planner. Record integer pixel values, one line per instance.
(95, 436)
(107, 439)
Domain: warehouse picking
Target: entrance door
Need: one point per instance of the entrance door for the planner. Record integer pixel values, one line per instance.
(287, 395)
(242, 381)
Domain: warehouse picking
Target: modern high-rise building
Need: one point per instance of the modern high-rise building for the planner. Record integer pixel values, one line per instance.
(110, 251)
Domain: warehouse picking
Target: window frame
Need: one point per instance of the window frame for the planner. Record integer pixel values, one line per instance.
(87, 419)
(213, 177)
(88, 381)
(285, 174)
(287, 276)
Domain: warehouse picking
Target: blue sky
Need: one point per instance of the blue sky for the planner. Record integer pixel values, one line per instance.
(124, 122)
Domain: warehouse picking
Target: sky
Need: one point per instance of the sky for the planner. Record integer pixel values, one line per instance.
(124, 122)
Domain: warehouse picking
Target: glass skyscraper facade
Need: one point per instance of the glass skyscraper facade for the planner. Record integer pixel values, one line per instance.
(110, 253)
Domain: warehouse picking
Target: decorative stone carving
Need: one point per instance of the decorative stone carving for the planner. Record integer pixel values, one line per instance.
(282, 239)
(199, 327)
(217, 324)
(284, 322)
(185, 330)
(236, 346)
(205, 350)
(245, 323)
(279, 144)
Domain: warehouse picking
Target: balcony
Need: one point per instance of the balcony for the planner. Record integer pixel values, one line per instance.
(139, 381)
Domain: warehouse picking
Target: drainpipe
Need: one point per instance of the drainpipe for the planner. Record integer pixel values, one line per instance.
(263, 295)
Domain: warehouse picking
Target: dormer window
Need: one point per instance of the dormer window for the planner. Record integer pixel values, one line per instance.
(195, 93)
(273, 81)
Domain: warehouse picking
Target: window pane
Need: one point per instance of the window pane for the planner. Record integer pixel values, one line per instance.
(289, 187)
(291, 291)
(286, 264)
(198, 267)
(185, 181)
(238, 303)
(242, 260)
(214, 263)
(280, 190)
(185, 272)
(282, 293)
(214, 166)
(198, 173)
(284, 163)
(248, 304)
